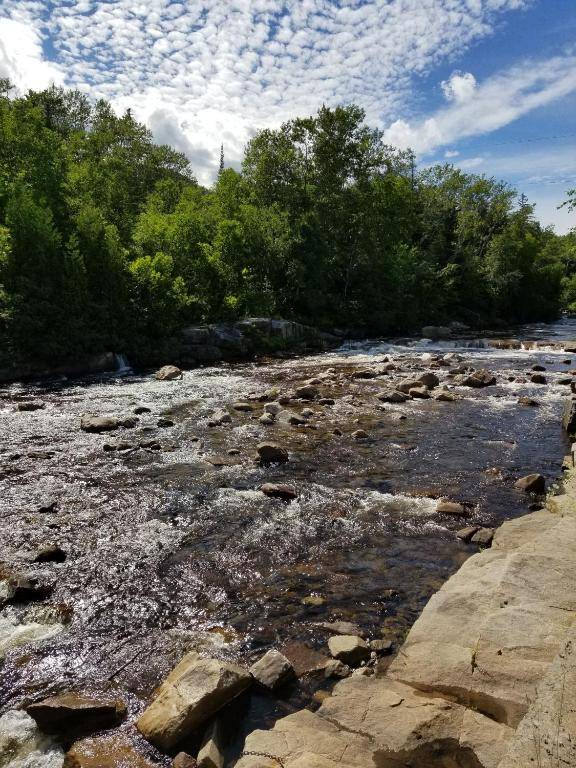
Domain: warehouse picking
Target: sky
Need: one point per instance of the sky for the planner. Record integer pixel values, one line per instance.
(488, 85)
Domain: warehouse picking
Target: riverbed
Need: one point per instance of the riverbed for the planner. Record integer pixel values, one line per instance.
(172, 546)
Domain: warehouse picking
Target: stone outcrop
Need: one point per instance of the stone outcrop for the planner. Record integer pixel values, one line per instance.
(485, 679)
(195, 690)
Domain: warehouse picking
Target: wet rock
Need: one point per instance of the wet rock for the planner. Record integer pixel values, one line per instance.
(406, 385)
(307, 392)
(419, 393)
(569, 416)
(284, 399)
(349, 649)
(366, 373)
(219, 460)
(168, 373)
(266, 419)
(279, 491)
(359, 434)
(150, 445)
(483, 537)
(336, 668)
(30, 405)
(272, 408)
(139, 410)
(97, 424)
(326, 401)
(164, 423)
(479, 379)
(393, 396)
(444, 397)
(128, 422)
(565, 381)
(538, 368)
(243, 407)
(15, 635)
(219, 418)
(337, 432)
(272, 670)
(24, 589)
(272, 453)
(40, 454)
(308, 413)
(73, 712)
(305, 660)
(22, 745)
(429, 380)
(184, 760)
(195, 690)
(340, 627)
(451, 508)
(534, 483)
(50, 505)
(51, 553)
(538, 378)
(290, 417)
(381, 647)
(233, 452)
(465, 534)
(529, 401)
(103, 752)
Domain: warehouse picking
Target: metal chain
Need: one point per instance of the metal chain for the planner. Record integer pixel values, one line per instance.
(264, 754)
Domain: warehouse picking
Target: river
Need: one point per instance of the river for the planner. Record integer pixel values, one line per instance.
(176, 549)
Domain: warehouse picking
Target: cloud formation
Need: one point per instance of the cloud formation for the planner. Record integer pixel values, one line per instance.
(207, 71)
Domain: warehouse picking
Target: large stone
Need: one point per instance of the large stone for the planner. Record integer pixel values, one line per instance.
(290, 417)
(479, 379)
(279, 491)
(307, 392)
(73, 712)
(168, 373)
(406, 385)
(422, 392)
(30, 405)
(429, 380)
(97, 424)
(451, 508)
(531, 483)
(393, 396)
(23, 745)
(105, 752)
(272, 453)
(272, 670)
(195, 690)
(349, 649)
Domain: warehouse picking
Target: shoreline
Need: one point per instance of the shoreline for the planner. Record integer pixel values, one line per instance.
(486, 677)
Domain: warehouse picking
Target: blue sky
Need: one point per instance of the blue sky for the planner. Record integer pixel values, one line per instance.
(489, 85)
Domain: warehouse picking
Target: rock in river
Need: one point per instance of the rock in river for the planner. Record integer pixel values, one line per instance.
(479, 379)
(451, 508)
(279, 491)
(98, 424)
(531, 484)
(195, 690)
(73, 712)
(105, 752)
(50, 553)
(538, 378)
(349, 649)
(272, 670)
(30, 405)
(168, 373)
(307, 392)
(393, 396)
(272, 453)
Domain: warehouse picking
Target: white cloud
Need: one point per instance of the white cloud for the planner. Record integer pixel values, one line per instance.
(21, 57)
(496, 102)
(459, 87)
(219, 70)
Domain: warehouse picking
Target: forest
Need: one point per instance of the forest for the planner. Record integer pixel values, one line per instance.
(107, 241)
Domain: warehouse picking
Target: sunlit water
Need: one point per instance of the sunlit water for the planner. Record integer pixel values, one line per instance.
(167, 552)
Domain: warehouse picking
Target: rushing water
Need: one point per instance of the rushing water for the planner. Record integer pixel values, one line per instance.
(177, 549)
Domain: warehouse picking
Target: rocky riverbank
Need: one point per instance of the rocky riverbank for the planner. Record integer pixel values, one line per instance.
(266, 530)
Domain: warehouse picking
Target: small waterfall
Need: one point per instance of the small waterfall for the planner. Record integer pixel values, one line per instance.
(122, 364)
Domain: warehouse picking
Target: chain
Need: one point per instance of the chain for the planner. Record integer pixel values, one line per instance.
(263, 754)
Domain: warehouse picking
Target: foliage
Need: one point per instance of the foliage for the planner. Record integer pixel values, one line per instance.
(108, 242)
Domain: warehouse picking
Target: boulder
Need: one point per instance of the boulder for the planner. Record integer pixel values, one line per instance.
(272, 408)
(307, 392)
(168, 373)
(360, 434)
(97, 424)
(30, 405)
(465, 534)
(105, 752)
(272, 453)
(74, 713)
(444, 397)
(272, 670)
(451, 508)
(164, 423)
(290, 417)
(531, 483)
(393, 396)
(429, 380)
(479, 379)
(538, 378)
(266, 419)
(421, 393)
(219, 418)
(50, 553)
(340, 627)
(195, 690)
(141, 409)
(279, 491)
(406, 385)
(211, 753)
(335, 668)
(241, 406)
(349, 649)
(184, 760)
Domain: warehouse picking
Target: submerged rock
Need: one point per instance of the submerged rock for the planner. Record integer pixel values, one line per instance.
(73, 712)
(195, 690)
(168, 373)
(272, 670)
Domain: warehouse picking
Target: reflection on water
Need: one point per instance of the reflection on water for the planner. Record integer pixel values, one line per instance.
(177, 548)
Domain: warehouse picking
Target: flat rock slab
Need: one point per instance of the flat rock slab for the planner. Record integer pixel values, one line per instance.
(195, 690)
(73, 712)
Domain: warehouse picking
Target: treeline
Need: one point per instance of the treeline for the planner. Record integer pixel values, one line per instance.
(107, 242)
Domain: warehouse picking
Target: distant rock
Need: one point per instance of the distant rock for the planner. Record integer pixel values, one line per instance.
(272, 453)
(242, 406)
(168, 373)
(538, 378)
(31, 405)
(307, 392)
(219, 418)
(272, 670)
(349, 649)
(50, 553)
(360, 434)
(97, 424)
(73, 712)
(430, 380)
(279, 491)
(479, 379)
(422, 393)
(393, 396)
(140, 409)
(195, 690)
(534, 483)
